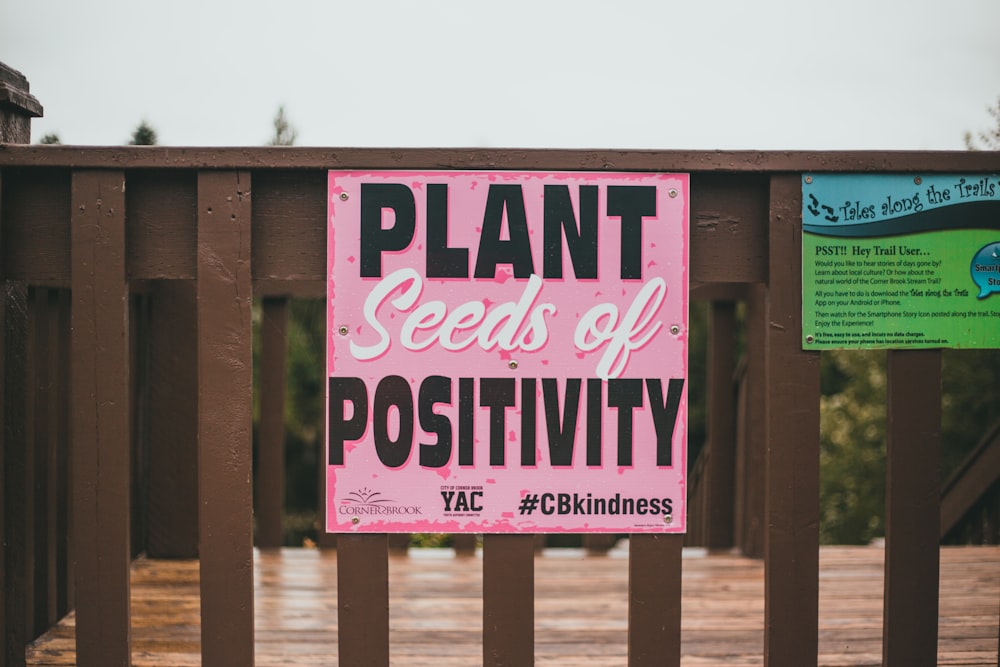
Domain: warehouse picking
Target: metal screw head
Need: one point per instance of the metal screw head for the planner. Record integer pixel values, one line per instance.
(343, 331)
(672, 192)
(809, 179)
(810, 339)
(917, 180)
(355, 521)
(668, 519)
(512, 365)
(344, 196)
(675, 329)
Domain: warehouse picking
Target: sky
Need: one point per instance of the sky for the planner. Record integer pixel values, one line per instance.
(628, 74)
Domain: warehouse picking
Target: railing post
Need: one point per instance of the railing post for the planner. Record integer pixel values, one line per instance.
(13, 490)
(172, 505)
(363, 599)
(225, 516)
(749, 482)
(508, 600)
(101, 419)
(791, 547)
(654, 600)
(17, 108)
(271, 446)
(912, 509)
(721, 440)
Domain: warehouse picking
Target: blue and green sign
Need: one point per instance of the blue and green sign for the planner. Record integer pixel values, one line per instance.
(900, 261)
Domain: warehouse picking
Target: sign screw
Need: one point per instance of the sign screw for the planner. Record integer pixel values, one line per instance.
(809, 179)
(512, 365)
(917, 180)
(344, 196)
(672, 192)
(355, 521)
(675, 329)
(668, 519)
(343, 331)
(810, 339)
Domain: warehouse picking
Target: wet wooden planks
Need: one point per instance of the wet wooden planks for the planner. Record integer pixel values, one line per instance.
(581, 609)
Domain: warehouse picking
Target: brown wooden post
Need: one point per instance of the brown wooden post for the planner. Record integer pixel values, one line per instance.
(508, 600)
(912, 509)
(172, 505)
(37, 391)
(791, 547)
(225, 517)
(100, 399)
(750, 456)
(271, 444)
(64, 475)
(363, 600)
(55, 462)
(721, 462)
(13, 462)
(654, 600)
(13, 494)
(17, 108)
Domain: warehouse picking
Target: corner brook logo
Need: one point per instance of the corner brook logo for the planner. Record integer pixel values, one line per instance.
(366, 501)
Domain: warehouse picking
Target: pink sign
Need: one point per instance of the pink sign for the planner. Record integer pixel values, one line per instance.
(507, 352)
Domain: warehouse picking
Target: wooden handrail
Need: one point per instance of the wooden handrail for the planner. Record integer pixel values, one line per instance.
(971, 480)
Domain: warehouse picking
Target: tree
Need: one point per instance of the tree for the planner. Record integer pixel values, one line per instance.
(50, 139)
(143, 135)
(284, 133)
(988, 140)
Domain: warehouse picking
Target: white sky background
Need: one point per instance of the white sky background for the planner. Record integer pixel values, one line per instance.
(770, 74)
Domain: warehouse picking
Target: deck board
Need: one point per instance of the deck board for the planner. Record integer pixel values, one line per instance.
(581, 608)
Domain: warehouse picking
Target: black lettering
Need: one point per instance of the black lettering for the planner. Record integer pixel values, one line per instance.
(631, 203)
(595, 416)
(664, 416)
(447, 495)
(466, 421)
(342, 389)
(560, 220)
(528, 422)
(393, 391)
(375, 197)
(561, 432)
(625, 395)
(498, 395)
(442, 261)
(476, 497)
(435, 389)
(516, 250)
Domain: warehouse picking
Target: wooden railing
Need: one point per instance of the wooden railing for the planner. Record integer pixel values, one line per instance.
(129, 274)
(970, 502)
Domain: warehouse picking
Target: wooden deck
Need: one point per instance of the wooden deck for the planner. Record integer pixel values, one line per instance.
(580, 609)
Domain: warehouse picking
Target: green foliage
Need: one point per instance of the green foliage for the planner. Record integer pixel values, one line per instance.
(970, 402)
(284, 133)
(430, 540)
(50, 139)
(697, 365)
(304, 411)
(852, 446)
(987, 140)
(853, 432)
(143, 135)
